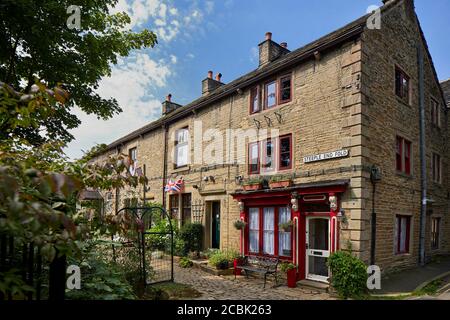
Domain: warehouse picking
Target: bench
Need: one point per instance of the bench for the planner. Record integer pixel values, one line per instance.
(262, 265)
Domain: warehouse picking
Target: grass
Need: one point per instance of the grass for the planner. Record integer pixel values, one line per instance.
(430, 289)
(172, 291)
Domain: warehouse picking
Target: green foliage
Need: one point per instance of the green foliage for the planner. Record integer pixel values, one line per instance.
(192, 235)
(239, 224)
(253, 181)
(42, 46)
(101, 279)
(280, 178)
(223, 259)
(185, 262)
(349, 275)
(286, 266)
(209, 252)
(286, 226)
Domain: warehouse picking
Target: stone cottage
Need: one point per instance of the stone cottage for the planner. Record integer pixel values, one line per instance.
(339, 145)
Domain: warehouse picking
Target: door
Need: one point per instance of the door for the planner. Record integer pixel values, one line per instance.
(215, 225)
(317, 248)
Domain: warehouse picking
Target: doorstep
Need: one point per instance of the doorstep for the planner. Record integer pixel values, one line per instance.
(309, 284)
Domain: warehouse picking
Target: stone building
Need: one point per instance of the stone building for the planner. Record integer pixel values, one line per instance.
(330, 136)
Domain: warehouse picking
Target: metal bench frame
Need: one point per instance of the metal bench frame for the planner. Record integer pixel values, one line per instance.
(262, 265)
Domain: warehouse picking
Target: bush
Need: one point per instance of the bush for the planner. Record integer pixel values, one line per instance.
(192, 235)
(286, 266)
(222, 259)
(185, 263)
(348, 274)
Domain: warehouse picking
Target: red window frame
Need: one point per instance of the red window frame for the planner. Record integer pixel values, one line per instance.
(436, 168)
(276, 233)
(254, 95)
(408, 233)
(402, 90)
(250, 163)
(280, 93)
(276, 163)
(288, 137)
(266, 96)
(403, 155)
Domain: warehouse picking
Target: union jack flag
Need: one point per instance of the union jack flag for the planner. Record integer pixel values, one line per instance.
(175, 186)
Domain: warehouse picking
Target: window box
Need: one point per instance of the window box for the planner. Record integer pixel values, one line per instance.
(280, 182)
(252, 187)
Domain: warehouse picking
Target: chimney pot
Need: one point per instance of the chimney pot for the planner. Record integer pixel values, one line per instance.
(210, 74)
(169, 97)
(283, 44)
(218, 76)
(268, 35)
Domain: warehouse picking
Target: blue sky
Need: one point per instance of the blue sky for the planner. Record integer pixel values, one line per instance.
(201, 35)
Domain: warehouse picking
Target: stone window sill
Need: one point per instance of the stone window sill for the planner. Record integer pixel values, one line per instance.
(180, 169)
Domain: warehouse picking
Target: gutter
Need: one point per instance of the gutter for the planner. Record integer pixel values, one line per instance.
(423, 163)
(164, 179)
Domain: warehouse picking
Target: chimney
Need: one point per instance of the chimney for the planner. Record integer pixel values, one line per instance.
(209, 84)
(168, 106)
(270, 50)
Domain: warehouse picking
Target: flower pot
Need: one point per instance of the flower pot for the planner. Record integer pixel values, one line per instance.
(252, 187)
(280, 184)
(237, 271)
(292, 278)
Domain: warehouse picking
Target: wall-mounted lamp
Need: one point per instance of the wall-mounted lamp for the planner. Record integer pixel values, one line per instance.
(239, 179)
(206, 178)
(241, 206)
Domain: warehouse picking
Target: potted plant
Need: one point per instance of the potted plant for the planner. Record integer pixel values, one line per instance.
(280, 182)
(252, 184)
(239, 224)
(291, 271)
(286, 226)
(238, 261)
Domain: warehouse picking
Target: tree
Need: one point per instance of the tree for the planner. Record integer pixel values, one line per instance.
(36, 45)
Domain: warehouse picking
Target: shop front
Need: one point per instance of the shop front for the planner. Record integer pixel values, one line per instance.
(297, 224)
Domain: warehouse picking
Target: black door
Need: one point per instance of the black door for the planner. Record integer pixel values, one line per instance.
(215, 230)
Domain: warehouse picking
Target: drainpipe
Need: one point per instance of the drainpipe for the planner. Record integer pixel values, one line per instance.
(374, 178)
(423, 163)
(166, 133)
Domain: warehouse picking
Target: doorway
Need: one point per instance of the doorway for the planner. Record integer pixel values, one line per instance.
(215, 224)
(317, 248)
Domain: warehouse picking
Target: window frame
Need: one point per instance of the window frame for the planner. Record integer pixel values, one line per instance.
(398, 225)
(258, 163)
(436, 176)
(183, 144)
(280, 88)
(435, 113)
(406, 99)
(174, 205)
(287, 136)
(276, 231)
(266, 97)
(405, 155)
(258, 97)
(186, 207)
(132, 151)
(435, 233)
(276, 156)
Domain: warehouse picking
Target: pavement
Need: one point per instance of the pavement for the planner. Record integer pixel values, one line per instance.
(407, 281)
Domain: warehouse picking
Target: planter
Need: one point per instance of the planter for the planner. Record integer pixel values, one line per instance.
(252, 187)
(292, 278)
(237, 271)
(280, 184)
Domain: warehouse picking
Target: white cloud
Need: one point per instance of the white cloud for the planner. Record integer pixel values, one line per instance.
(209, 7)
(173, 59)
(254, 54)
(131, 83)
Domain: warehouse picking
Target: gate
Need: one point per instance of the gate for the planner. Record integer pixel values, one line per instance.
(148, 245)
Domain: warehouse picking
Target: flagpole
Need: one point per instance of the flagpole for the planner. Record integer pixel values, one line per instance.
(145, 182)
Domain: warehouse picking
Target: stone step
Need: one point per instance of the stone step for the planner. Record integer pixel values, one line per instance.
(315, 285)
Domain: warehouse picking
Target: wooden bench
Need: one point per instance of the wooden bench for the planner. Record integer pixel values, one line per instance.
(262, 265)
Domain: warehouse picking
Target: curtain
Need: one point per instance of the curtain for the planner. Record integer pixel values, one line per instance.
(284, 238)
(268, 231)
(253, 217)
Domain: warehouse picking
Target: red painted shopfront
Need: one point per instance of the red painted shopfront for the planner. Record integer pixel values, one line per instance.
(308, 214)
